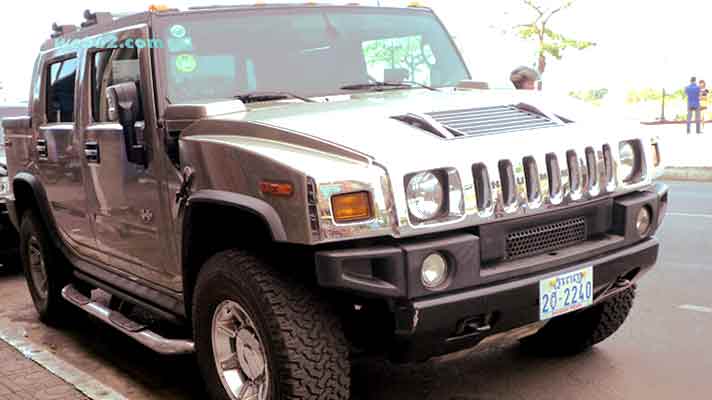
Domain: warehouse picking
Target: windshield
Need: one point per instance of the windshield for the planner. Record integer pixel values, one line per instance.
(304, 51)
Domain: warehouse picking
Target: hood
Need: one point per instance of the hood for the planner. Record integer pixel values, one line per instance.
(365, 123)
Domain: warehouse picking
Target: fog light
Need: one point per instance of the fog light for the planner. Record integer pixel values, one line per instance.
(642, 222)
(434, 272)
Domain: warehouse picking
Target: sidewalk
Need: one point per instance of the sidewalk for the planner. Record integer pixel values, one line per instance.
(686, 157)
(23, 379)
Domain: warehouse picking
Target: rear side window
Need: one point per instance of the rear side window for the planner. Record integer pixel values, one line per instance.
(61, 76)
(109, 68)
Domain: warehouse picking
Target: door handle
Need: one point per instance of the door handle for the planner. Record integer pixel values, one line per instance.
(41, 147)
(91, 152)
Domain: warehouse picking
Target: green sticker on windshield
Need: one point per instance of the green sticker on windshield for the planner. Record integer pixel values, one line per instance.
(177, 31)
(186, 63)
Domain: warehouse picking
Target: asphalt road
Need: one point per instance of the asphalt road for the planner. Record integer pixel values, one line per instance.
(664, 350)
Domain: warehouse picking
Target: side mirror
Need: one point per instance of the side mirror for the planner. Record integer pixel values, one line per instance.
(124, 106)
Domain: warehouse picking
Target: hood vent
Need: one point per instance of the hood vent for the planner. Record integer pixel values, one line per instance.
(491, 120)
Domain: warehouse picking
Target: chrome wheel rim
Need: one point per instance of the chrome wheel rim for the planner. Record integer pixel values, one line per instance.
(38, 270)
(239, 353)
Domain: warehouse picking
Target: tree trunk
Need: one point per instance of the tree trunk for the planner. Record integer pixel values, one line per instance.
(541, 67)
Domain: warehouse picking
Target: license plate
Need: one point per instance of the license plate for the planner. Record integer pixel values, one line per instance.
(565, 293)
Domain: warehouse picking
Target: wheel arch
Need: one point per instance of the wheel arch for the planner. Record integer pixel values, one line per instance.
(208, 215)
(30, 194)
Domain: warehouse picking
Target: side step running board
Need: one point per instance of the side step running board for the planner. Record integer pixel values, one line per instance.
(126, 326)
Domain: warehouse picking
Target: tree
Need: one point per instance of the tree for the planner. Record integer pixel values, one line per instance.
(549, 43)
(407, 53)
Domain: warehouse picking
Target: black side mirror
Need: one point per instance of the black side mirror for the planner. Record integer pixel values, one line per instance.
(124, 107)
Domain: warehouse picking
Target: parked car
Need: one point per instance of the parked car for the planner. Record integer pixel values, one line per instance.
(8, 233)
(294, 185)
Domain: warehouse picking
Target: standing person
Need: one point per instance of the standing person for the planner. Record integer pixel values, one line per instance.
(693, 104)
(704, 101)
(524, 78)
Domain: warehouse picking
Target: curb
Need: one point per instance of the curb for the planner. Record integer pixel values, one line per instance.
(81, 381)
(701, 174)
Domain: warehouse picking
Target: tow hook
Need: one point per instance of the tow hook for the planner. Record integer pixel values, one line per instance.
(622, 283)
(473, 326)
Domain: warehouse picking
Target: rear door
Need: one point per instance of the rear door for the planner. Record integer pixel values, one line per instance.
(58, 149)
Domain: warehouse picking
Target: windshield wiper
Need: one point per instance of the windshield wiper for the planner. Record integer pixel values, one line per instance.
(387, 85)
(257, 96)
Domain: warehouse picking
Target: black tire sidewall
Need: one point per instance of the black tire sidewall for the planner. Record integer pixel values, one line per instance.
(49, 308)
(216, 289)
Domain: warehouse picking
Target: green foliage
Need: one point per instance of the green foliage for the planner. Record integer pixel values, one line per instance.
(406, 52)
(549, 43)
(593, 96)
(649, 94)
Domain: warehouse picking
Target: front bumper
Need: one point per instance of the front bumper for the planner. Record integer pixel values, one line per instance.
(485, 298)
(441, 325)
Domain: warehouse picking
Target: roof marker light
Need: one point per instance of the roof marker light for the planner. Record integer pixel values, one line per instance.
(158, 8)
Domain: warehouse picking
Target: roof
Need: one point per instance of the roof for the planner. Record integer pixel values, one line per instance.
(124, 20)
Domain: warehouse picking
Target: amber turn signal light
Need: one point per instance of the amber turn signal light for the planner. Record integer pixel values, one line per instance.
(351, 207)
(276, 189)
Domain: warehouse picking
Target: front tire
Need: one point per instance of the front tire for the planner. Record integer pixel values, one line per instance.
(575, 333)
(259, 335)
(45, 270)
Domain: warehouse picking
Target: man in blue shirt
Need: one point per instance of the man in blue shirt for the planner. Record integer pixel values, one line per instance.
(693, 104)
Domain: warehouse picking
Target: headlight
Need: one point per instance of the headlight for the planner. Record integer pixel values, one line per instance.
(425, 195)
(627, 163)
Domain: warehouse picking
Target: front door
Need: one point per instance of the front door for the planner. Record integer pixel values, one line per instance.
(126, 200)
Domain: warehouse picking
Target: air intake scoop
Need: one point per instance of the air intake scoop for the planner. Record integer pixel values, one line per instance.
(485, 120)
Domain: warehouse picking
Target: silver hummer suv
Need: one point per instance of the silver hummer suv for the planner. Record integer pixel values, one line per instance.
(297, 185)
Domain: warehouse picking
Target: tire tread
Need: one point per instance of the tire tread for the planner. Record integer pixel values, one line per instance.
(311, 350)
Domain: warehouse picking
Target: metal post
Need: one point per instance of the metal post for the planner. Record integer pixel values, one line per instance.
(662, 111)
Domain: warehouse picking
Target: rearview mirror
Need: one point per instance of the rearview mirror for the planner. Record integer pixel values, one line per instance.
(124, 106)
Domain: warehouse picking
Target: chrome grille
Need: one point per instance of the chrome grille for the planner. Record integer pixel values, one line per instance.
(491, 120)
(508, 186)
(545, 238)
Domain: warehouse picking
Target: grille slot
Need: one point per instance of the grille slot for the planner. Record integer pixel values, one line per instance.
(592, 167)
(545, 238)
(483, 188)
(531, 175)
(554, 174)
(491, 120)
(608, 163)
(574, 171)
(506, 176)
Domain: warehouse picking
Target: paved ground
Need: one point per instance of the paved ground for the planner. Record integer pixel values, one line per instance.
(23, 379)
(680, 149)
(662, 352)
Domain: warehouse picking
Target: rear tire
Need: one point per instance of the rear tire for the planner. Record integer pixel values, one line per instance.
(45, 269)
(285, 343)
(575, 333)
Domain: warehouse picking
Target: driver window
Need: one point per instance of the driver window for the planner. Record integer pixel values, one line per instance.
(399, 59)
(109, 68)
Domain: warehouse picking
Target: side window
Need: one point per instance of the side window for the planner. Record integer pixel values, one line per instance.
(399, 59)
(109, 68)
(61, 76)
